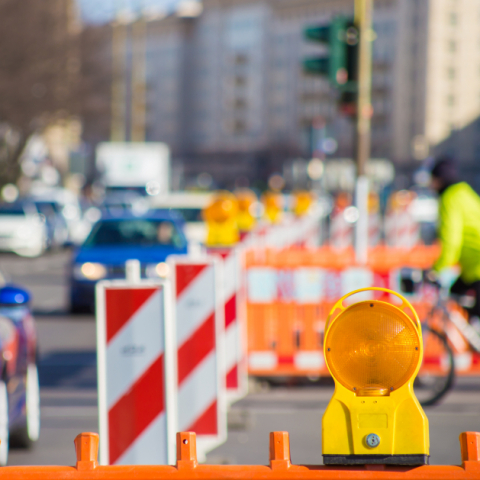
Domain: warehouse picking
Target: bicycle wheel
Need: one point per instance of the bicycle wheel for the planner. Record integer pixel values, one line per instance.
(437, 372)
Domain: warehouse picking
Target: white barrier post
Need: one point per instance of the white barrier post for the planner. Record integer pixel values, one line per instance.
(199, 323)
(236, 376)
(132, 271)
(136, 365)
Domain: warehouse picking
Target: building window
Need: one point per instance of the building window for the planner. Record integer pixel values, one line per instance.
(241, 59)
(453, 18)
(450, 100)
(240, 81)
(239, 126)
(451, 73)
(240, 103)
(452, 46)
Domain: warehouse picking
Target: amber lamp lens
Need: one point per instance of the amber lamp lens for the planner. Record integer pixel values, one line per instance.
(372, 348)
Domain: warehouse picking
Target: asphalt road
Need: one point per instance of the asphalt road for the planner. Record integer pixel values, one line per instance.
(69, 400)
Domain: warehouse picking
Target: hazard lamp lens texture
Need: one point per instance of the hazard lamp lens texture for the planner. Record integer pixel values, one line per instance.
(372, 348)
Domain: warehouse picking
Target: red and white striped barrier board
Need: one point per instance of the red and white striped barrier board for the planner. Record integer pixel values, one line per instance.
(341, 231)
(200, 346)
(401, 230)
(236, 378)
(136, 373)
(374, 229)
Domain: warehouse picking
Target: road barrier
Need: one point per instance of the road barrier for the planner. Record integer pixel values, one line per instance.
(401, 229)
(341, 231)
(136, 372)
(199, 315)
(280, 466)
(291, 291)
(232, 294)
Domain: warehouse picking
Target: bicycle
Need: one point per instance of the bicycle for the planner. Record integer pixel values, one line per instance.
(445, 330)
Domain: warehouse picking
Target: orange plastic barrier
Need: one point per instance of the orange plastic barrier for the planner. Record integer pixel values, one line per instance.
(285, 326)
(279, 468)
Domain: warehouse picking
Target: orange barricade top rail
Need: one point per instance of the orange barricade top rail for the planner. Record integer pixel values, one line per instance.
(280, 467)
(381, 258)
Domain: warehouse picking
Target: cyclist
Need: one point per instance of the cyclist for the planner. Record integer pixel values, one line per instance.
(459, 231)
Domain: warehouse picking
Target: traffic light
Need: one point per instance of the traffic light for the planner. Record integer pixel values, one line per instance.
(374, 349)
(341, 63)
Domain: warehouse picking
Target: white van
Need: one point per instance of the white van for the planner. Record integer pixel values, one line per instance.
(189, 206)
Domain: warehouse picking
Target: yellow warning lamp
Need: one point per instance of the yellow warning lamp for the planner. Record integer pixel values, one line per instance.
(373, 350)
(272, 202)
(302, 201)
(373, 203)
(401, 200)
(220, 215)
(246, 199)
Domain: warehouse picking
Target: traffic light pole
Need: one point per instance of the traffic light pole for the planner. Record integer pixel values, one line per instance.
(363, 20)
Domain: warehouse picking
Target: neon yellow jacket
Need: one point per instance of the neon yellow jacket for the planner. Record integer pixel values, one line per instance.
(459, 231)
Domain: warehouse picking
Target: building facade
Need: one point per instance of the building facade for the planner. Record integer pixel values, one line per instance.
(227, 92)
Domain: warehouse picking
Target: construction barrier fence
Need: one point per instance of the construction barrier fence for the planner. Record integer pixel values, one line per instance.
(290, 293)
(279, 467)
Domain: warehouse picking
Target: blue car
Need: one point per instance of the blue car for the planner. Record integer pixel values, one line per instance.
(19, 386)
(149, 238)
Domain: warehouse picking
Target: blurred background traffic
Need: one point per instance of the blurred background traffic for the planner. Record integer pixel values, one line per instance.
(145, 128)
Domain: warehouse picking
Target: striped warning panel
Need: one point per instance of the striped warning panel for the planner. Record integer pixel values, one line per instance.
(199, 332)
(132, 374)
(235, 330)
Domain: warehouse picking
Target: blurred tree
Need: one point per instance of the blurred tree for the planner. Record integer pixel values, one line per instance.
(96, 83)
(39, 72)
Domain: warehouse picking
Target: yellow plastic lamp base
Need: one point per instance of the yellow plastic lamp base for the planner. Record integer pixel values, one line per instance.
(374, 350)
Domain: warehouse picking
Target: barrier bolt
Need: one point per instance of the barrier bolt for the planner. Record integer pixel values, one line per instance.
(279, 450)
(470, 447)
(186, 450)
(86, 448)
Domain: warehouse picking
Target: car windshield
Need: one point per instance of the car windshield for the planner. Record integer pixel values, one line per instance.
(11, 209)
(140, 232)
(47, 208)
(191, 214)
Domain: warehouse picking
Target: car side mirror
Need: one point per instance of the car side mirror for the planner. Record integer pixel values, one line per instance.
(13, 295)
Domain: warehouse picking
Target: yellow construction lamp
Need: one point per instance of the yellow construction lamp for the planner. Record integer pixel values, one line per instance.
(302, 201)
(272, 202)
(373, 203)
(401, 200)
(246, 199)
(374, 349)
(221, 218)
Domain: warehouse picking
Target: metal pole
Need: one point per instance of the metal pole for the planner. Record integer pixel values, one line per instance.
(363, 19)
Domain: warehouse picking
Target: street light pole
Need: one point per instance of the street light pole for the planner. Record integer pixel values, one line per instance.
(363, 20)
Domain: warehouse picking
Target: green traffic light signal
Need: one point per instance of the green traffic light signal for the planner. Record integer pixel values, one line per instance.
(318, 34)
(320, 66)
(340, 65)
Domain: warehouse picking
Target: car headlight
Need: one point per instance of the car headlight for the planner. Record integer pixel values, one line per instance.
(89, 271)
(158, 270)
